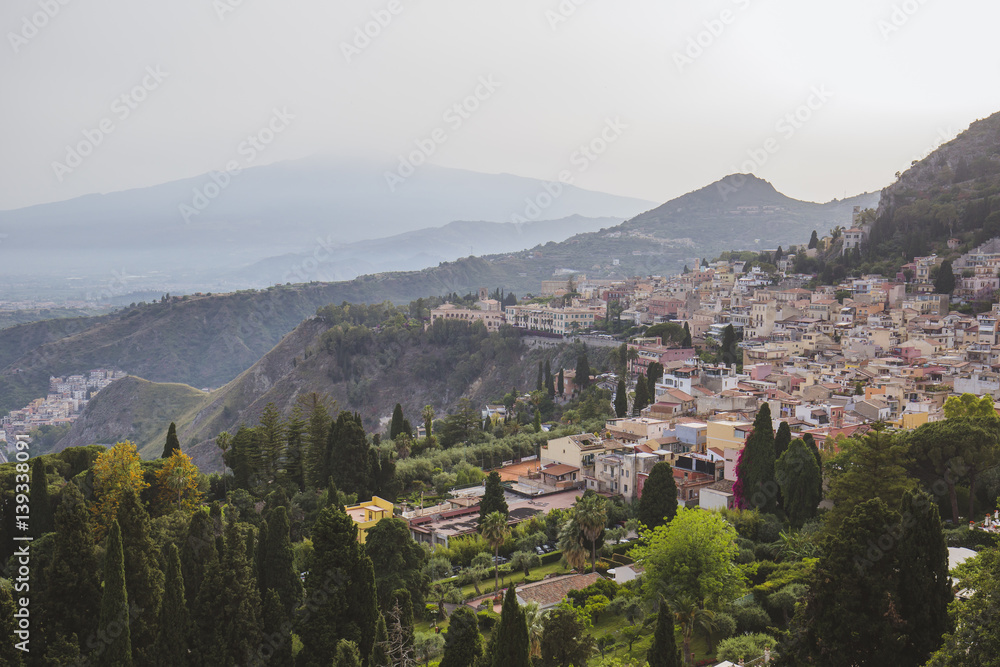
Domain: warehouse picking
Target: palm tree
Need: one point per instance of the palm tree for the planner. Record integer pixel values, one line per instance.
(495, 531)
(571, 545)
(690, 615)
(591, 514)
(535, 619)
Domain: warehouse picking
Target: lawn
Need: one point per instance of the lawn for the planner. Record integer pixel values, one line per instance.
(537, 574)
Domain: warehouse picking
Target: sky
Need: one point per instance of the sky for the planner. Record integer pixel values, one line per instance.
(643, 98)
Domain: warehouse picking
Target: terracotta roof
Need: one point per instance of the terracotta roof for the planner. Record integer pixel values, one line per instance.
(551, 592)
(559, 469)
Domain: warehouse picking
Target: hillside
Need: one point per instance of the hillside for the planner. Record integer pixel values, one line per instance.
(366, 368)
(952, 193)
(413, 251)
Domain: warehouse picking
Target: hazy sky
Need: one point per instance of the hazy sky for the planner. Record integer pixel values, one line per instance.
(682, 92)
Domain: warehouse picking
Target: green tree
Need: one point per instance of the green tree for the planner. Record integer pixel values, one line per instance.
(942, 452)
(693, 554)
(873, 466)
(549, 386)
(813, 240)
(691, 616)
(493, 499)
(851, 615)
(463, 644)
(399, 562)
(755, 486)
(317, 431)
(143, 576)
(72, 595)
(113, 626)
(197, 552)
(525, 560)
(799, 479)
(782, 438)
(272, 439)
(537, 421)
(663, 651)
(9, 653)
(811, 444)
(582, 377)
(944, 283)
(540, 382)
(347, 654)
(641, 394)
(428, 415)
(277, 646)
(295, 455)
(341, 574)
(396, 424)
(686, 341)
(495, 530)
(924, 584)
(278, 566)
(730, 351)
(172, 444)
(348, 461)
(564, 639)
(41, 506)
(621, 400)
(570, 542)
(171, 647)
(658, 504)
(560, 383)
(512, 646)
(591, 513)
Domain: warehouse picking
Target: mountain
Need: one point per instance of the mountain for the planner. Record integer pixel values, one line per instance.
(363, 368)
(190, 232)
(954, 192)
(413, 251)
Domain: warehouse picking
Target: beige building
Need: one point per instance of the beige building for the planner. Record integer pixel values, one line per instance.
(580, 451)
(487, 311)
(553, 320)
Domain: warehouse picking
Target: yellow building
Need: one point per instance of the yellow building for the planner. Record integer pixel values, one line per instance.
(366, 515)
(727, 433)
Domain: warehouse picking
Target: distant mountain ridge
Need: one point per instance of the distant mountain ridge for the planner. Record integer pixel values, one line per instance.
(264, 212)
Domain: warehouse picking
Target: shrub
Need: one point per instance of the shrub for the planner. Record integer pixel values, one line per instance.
(750, 618)
(487, 619)
(749, 647)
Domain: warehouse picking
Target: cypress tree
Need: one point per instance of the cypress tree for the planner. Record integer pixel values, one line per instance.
(686, 342)
(582, 371)
(463, 644)
(537, 421)
(811, 444)
(813, 240)
(663, 652)
(295, 431)
(658, 503)
(278, 563)
(259, 556)
(560, 383)
(348, 462)
(403, 602)
(781, 439)
(317, 432)
(924, 584)
(276, 649)
(513, 647)
(72, 594)
(347, 654)
(172, 444)
(396, 424)
(9, 654)
(171, 647)
(143, 576)
(641, 394)
(493, 499)
(197, 552)
(621, 399)
(272, 439)
(851, 616)
(798, 477)
(336, 576)
(380, 651)
(240, 609)
(113, 627)
(755, 487)
(549, 387)
(206, 638)
(41, 505)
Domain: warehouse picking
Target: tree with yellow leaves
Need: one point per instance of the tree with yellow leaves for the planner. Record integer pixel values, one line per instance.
(115, 472)
(177, 482)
